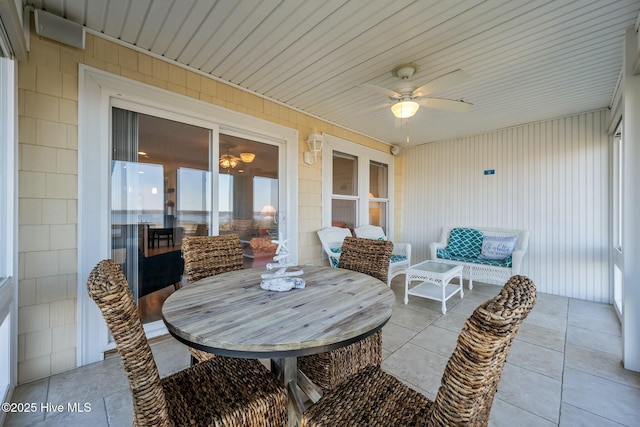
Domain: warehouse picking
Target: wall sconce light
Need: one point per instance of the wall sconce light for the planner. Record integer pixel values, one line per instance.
(314, 142)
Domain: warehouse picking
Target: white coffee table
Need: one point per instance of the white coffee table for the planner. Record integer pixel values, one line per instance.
(435, 278)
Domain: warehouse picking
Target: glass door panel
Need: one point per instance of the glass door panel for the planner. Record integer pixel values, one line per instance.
(160, 192)
(378, 194)
(248, 196)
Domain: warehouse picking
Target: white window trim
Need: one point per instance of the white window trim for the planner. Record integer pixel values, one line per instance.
(96, 89)
(365, 155)
(8, 227)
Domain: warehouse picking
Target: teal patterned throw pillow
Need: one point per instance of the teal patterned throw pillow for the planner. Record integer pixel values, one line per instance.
(465, 242)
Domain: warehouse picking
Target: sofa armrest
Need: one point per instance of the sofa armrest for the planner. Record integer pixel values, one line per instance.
(516, 261)
(434, 246)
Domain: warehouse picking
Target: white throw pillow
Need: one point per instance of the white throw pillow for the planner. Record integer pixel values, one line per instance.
(497, 247)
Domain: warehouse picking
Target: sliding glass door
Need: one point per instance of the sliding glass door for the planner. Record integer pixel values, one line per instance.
(160, 192)
(248, 196)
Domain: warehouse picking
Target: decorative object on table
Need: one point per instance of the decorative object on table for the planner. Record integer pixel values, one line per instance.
(469, 381)
(282, 280)
(331, 369)
(221, 391)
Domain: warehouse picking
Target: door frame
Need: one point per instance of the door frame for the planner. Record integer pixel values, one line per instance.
(96, 91)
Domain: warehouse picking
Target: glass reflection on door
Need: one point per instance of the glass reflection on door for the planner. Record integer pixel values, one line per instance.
(160, 192)
(248, 196)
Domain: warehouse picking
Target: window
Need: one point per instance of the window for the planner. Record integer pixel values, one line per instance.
(616, 215)
(357, 186)
(344, 197)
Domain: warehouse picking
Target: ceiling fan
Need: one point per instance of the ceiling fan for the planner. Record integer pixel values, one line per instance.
(407, 99)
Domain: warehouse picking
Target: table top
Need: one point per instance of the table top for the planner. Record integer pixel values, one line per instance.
(229, 314)
(435, 267)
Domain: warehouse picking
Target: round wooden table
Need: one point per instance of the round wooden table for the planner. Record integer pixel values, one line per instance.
(230, 315)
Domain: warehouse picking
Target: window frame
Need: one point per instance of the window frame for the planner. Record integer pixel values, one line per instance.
(8, 229)
(364, 155)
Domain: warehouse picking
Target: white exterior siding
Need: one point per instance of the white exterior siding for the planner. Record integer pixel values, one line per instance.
(551, 178)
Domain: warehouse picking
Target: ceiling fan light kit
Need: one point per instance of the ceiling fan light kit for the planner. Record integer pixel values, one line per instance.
(408, 99)
(405, 109)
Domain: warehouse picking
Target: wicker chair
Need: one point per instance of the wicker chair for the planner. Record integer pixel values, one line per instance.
(400, 257)
(330, 369)
(468, 385)
(206, 256)
(219, 392)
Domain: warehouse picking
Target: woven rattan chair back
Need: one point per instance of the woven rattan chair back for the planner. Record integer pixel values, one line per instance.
(108, 287)
(366, 256)
(469, 382)
(331, 369)
(471, 376)
(206, 256)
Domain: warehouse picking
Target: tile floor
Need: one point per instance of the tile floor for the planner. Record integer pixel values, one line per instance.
(564, 367)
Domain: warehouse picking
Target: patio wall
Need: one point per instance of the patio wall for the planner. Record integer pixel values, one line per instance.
(551, 178)
(48, 184)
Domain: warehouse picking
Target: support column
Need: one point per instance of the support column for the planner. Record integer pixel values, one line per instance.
(631, 207)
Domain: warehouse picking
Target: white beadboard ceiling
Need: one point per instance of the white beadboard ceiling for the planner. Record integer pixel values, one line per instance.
(529, 60)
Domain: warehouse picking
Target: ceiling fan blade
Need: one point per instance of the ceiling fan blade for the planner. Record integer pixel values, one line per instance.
(440, 83)
(383, 90)
(446, 104)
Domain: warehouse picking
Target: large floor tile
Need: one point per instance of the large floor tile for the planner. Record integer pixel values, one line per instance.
(602, 364)
(594, 340)
(418, 366)
(570, 416)
(603, 397)
(33, 392)
(503, 414)
(539, 318)
(437, 340)
(451, 321)
(171, 356)
(413, 319)
(537, 359)
(531, 391)
(94, 416)
(119, 408)
(606, 324)
(545, 337)
(590, 308)
(395, 336)
(89, 382)
(552, 304)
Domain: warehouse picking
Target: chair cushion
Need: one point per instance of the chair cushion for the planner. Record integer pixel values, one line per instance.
(398, 258)
(334, 260)
(497, 247)
(465, 242)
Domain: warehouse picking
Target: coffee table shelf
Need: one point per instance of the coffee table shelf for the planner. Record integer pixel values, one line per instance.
(434, 277)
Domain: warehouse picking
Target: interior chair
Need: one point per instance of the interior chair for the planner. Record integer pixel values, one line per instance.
(469, 381)
(330, 369)
(206, 256)
(401, 255)
(219, 392)
(331, 239)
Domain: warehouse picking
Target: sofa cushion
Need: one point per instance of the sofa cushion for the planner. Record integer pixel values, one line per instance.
(464, 242)
(497, 247)
(444, 254)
